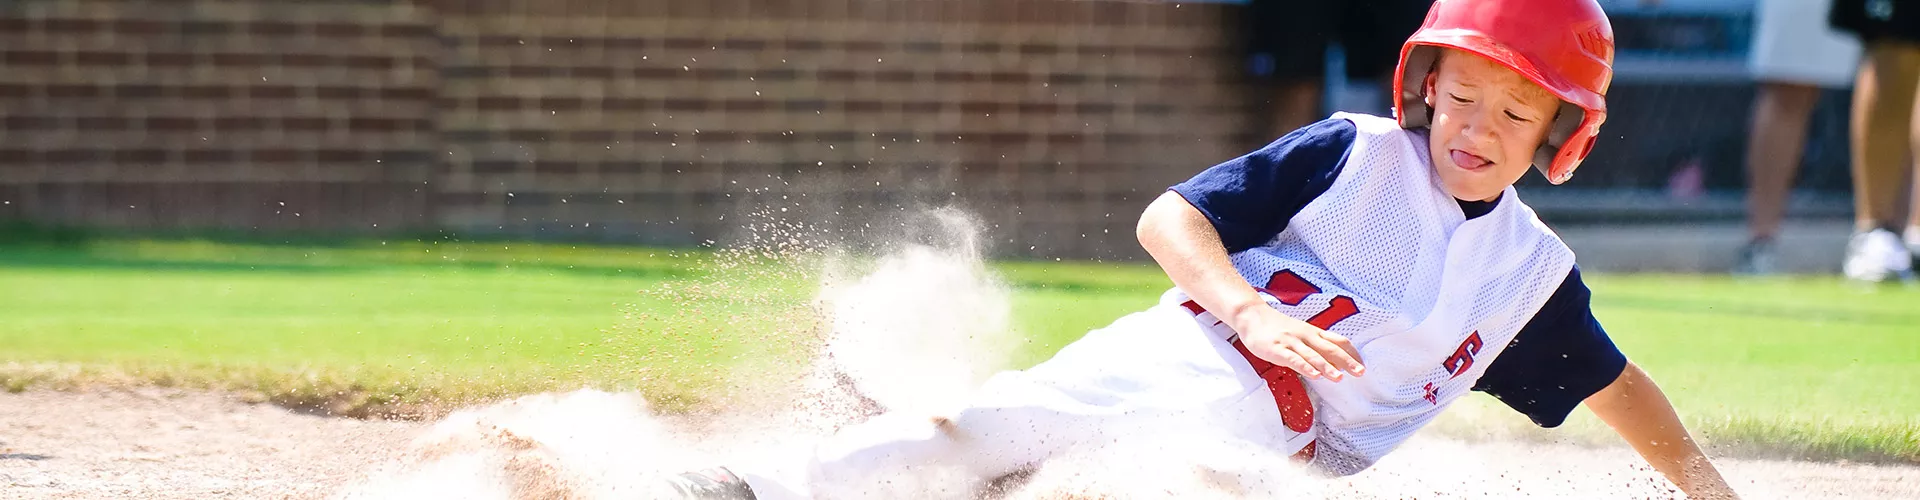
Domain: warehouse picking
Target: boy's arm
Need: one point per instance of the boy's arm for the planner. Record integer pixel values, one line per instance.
(1636, 409)
(1188, 248)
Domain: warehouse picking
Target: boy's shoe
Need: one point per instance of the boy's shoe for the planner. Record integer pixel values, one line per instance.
(1877, 256)
(1757, 258)
(716, 483)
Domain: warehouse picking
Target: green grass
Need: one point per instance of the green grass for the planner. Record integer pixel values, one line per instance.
(1810, 367)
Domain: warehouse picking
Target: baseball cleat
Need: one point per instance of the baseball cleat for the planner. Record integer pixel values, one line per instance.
(716, 483)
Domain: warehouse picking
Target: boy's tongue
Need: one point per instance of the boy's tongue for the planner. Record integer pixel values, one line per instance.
(1467, 160)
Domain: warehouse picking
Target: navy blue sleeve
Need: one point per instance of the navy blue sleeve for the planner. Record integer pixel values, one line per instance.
(1250, 199)
(1558, 359)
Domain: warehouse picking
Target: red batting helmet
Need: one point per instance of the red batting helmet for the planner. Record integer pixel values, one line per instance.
(1564, 46)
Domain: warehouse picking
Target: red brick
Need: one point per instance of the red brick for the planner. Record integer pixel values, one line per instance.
(66, 25)
(497, 103)
(207, 92)
(591, 136)
(344, 156)
(102, 58)
(73, 91)
(366, 62)
(137, 90)
(32, 57)
(206, 28)
(405, 30)
(140, 156)
(338, 92)
(302, 60)
(272, 92)
(532, 72)
(10, 157)
(305, 123)
(528, 135)
(101, 123)
(379, 124)
(138, 27)
(405, 93)
(170, 123)
(561, 103)
(239, 123)
(273, 28)
(197, 156)
(73, 155)
(556, 167)
(339, 30)
(169, 59)
(21, 122)
(273, 156)
(623, 104)
(239, 59)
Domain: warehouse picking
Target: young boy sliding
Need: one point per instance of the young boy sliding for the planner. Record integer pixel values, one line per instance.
(1334, 290)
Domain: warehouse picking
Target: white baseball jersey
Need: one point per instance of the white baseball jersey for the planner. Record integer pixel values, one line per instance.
(1385, 258)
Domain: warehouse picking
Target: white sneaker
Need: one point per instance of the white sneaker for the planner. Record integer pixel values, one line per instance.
(1877, 256)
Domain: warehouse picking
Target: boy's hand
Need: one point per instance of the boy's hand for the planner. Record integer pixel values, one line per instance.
(1184, 243)
(1292, 343)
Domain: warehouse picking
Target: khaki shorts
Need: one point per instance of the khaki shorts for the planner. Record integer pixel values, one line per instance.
(1793, 43)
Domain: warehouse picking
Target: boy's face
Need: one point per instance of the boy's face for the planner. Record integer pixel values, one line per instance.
(1487, 122)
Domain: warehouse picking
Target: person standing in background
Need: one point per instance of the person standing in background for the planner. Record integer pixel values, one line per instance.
(1794, 55)
(1883, 136)
(1287, 43)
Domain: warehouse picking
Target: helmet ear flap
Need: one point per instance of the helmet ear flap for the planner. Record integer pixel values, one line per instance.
(1416, 76)
(1565, 123)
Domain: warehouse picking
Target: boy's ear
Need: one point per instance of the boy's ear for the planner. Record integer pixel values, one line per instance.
(1426, 87)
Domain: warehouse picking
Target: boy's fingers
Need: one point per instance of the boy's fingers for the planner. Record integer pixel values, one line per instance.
(1280, 354)
(1337, 359)
(1354, 363)
(1319, 364)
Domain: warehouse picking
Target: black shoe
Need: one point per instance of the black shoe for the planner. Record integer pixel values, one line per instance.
(716, 483)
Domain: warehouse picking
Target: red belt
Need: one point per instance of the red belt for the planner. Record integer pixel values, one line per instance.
(1289, 393)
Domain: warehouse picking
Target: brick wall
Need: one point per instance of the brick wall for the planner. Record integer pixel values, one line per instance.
(650, 121)
(231, 114)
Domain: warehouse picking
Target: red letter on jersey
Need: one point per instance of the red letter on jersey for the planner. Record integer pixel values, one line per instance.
(1462, 358)
(1290, 288)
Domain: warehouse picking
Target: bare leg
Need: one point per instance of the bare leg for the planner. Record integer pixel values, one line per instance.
(1883, 115)
(1913, 198)
(1777, 138)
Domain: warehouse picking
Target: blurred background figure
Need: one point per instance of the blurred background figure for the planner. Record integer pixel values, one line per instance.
(1883, 135)
(1794, 55)
(1288, 42)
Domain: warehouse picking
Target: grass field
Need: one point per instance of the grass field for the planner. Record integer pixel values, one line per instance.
(1810, 366)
